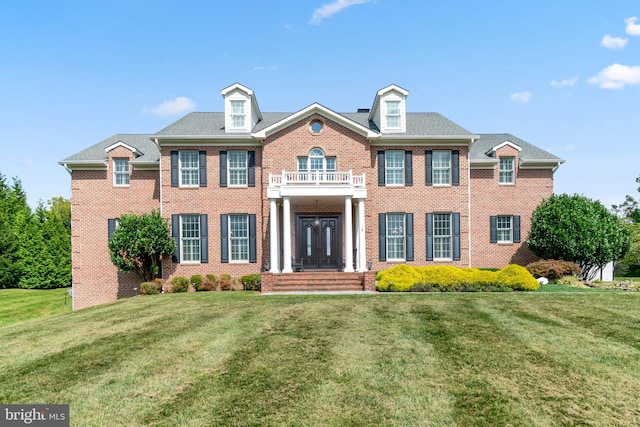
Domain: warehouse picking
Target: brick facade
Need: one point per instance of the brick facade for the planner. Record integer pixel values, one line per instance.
(474, 198)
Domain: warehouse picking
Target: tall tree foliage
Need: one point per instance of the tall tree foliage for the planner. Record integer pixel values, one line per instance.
(578, 229)
(629, 210)
(138, 244)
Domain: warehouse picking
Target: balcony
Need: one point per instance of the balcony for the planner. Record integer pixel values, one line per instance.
(317, 183)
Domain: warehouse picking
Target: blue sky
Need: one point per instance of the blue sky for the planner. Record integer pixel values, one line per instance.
(561, 74)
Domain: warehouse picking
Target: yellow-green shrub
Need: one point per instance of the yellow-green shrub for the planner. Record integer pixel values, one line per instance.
(518, 278)
(397, 279)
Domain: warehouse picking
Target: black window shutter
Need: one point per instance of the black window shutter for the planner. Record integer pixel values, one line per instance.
(174, 169)
(111, 227)
(382, 236)
(381, 169)
(251, 168)
(455, 167)
(224, 238)
(456, 236)
(202, 163)
(204, 238)
(493, 229)
(408, 168)
(252, 238)
(429, 227)
(428, 166)
(175, 232)
(516, 228)
(409, 235)
(223, 169)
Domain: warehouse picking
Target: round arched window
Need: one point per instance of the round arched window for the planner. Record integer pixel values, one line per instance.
(316, 126)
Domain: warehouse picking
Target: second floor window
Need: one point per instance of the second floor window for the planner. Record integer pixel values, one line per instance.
(316, 162)
(393, 114)
(189, 169)
(507, 170)
(441, 167)
(121, 172)
(237, 168)
(237, 114)
(394, 167)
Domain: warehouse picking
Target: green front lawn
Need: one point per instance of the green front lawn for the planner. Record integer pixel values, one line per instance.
(238, 358)
(23, 304)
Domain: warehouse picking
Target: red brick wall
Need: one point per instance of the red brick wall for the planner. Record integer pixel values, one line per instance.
(94, 200)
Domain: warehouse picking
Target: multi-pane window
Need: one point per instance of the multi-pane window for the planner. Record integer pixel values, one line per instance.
(239, 237)
(237, 168)
(396, 233)
(507, 170)
(393, 114)
(504, 229)
(189, 169)
(441, 167)
(120, 171)
(394, 167)
(190, 238)
(237, 114)
(442, 236)
(316, 162)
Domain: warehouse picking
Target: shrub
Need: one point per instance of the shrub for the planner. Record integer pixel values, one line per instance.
(196, 281)
(553, 269)
(149, 288)
(179, 284)
(397, 279)
(210, 283)
(226, 282)
(517, 277)
(572, 281)
(251, 282)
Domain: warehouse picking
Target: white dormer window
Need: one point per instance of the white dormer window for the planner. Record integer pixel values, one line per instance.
(393, 114)
(238, 114)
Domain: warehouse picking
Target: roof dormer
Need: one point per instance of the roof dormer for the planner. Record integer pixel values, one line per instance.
(241, 112)
(389, 111)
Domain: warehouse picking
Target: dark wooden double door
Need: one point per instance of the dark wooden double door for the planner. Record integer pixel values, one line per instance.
(318, 241)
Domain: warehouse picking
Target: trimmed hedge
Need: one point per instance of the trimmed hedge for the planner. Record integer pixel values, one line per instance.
(403, 278)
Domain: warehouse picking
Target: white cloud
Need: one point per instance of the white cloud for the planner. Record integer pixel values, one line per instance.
(521, 97)
(633, 29)
(566, 82)
(174, 107)
(330, 9)
(611, 42)
(617, 76)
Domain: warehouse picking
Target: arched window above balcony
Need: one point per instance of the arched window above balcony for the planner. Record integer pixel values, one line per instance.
(316, 161)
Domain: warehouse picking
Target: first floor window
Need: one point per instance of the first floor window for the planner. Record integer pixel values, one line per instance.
(121, 172)
(190, 238)
(507, 170)
(189, 169)
(504, 229)
(395, 236)
(442, 236)
(239, 237)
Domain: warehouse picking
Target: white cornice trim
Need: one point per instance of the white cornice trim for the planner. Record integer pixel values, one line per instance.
(504, 144)
(122, 144)
(434, 140)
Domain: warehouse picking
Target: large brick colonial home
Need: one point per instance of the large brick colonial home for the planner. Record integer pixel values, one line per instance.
(347, 194)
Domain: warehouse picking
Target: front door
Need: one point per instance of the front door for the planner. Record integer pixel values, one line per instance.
(317, 242)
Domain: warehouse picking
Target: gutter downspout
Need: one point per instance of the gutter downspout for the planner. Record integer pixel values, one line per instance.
(160, 174)
(469, 198)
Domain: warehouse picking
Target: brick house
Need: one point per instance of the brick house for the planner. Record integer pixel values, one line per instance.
(247, 191)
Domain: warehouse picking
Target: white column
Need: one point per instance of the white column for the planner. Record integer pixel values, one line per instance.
(357, 241)
(362, 246)
(273, 238)
(286, 239)
(348, 235)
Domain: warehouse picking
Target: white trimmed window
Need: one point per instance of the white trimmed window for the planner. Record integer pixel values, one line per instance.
(189, 169)
(238, 114)
(190, 238)
(442, 236)
(237, 168)
(396, 237)
(316, 162)
(504, 229)
(441, 167)
(392, 118)
(507, 170)
(239, 238)
(394, 167)
(121, 172)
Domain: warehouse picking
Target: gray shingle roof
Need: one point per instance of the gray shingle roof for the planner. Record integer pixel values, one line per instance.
(529, 153)
(147, 150)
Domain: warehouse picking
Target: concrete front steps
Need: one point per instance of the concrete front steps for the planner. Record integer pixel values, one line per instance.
(318, 281)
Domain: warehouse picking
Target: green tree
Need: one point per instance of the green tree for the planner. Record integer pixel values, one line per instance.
(138, 244)
(578, 229)
(9, 267)
(630, 208)
(13, 205)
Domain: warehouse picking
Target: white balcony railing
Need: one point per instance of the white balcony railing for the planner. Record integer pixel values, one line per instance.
(317, 178)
